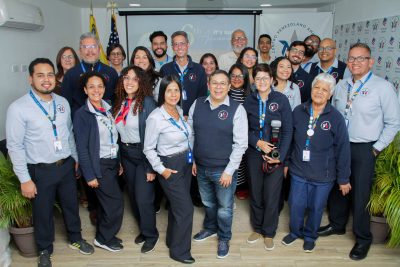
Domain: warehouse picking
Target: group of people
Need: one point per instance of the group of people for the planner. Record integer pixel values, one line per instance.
(244, 124)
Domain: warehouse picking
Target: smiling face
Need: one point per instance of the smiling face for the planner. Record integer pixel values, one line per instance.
(249, 59)
(180, 46)
(327, 50)
(209, 65)
(296, 54)
(263, 81)
(237, 79)
(116, 57)
(359, 69)
(43, 79)
(321, 93)
(264, 45)
(172, 94)
(159, 46)
(131, 83)
(89, 50)
(67, 60)
(238, 41)
(219, 87)
(284, 70)
(141, 60)
(95, 89)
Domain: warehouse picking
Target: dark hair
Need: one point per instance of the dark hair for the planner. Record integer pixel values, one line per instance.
(156, 34)
(360, 45)
(219, 72)
(240, 58)
(262, 68)
(144, 90)
(39, 61)
(298, 43)
(263, 36)
(114, 46)
(246, 78)
(60, 71)
(167, 80)
(274, 67)
(311, 35)
(152, 74)
(87, 75)
(180, 33)
(206, 55)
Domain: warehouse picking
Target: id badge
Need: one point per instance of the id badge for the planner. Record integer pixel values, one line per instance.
(184, 97)
(113, 152)
(306, 155)
(57, 146)
(189, 157)
(347, 122)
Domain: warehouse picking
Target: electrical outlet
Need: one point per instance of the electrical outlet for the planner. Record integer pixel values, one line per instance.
(14, 68)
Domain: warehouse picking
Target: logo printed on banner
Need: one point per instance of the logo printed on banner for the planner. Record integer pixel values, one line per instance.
(60, 108)
(223, 115)
(192, 77)
(394, 23)
(381, 44)
(325, 125)
(396, 83)
(359, 28)
(375, 26)
(388, 63)
(384, 25)
(273, 106)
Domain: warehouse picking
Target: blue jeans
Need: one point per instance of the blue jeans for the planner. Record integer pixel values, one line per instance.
(217, 201)
(311, 196)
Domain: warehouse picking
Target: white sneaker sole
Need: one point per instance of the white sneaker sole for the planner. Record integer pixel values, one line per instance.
(288, 244)
(98, 244)
(222, 257)
(153, 247)
(269, 249)
(201, 240)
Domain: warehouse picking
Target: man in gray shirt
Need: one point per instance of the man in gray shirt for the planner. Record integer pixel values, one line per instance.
(42, 149)
(372, 114)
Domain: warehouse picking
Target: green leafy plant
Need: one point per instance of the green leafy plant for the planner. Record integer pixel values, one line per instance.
(385, 194)
(15, 209)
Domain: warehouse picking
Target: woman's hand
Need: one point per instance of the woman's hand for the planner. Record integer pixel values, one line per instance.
(121, 170)
(93, 183)
(150, 177)
(345, 188)
(265, 146)
(167, 173)
(194, 169)
(270, 160)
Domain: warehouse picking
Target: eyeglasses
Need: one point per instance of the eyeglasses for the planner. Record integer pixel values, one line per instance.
(179, 44)
(358, 59)
(237, 39)
(239, 76)
(67, 57)
(254, 57)
(116, 54)
(297, 51)
(262, 79)
(222, 84)
(133, 79)
(327, 49)
(89, 46)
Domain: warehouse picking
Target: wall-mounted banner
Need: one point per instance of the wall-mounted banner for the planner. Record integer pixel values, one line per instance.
(286, 28)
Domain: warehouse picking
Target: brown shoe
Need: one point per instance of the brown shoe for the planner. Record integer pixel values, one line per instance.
(253, 238)
(269, 243)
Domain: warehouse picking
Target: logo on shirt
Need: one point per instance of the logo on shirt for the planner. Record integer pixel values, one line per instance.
(335, 74)
(106, 77)
(364, 92)
(60, 108)
(300, 83)
(326, 125)
(223, 115)
(192, 77)
(273, 106)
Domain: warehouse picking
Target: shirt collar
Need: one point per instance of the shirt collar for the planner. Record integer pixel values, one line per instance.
(225, 102)
(362, 80)
(167, 116)
(40, 99)
(91, 108)
(334, 65)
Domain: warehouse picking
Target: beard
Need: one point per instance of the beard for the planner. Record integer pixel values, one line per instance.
(237, 49)
(45, 92)
(164, 51)
(309, 52)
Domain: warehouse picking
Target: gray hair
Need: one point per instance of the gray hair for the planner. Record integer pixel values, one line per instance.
(88, 35)
(179, 33)
(327, 78)
(238, 30)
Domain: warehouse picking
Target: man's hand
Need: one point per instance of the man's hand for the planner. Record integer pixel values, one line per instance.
(194, 169)
(345, 188)
(77, 172)
(167, 173)
(93, 183)
(150, 177)
(28, 189)
(225, 179)
(270, 160)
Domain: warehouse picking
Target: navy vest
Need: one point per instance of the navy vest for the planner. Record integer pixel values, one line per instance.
(336, 73)
(213, 133)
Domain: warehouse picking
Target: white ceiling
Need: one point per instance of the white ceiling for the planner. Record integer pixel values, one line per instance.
(203, 4)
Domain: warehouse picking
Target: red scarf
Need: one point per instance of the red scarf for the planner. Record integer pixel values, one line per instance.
(123, 113)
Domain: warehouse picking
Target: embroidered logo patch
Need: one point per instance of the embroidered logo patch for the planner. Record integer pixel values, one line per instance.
(326, 125)
(364, 92)
(334, 74)
(60, 108)
(192, 77)
(223, 115)
(273, 106)
(300, 83)
(106, 77)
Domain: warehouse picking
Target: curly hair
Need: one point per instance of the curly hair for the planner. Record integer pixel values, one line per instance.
(145, 89)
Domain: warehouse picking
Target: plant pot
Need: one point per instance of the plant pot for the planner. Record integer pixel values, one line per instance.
(25, 241)
(379, 229)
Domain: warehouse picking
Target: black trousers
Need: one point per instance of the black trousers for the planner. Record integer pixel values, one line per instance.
(265, 192)
(52, 180)
(141, 193)
(111, 206)
(362, 176)
(180, 214)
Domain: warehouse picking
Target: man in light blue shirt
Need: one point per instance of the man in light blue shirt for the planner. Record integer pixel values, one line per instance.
(159, 46)
(42, 149)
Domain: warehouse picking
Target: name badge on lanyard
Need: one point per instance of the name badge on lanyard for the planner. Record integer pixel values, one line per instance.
(113, 151)
(189, 155)
(181, 79)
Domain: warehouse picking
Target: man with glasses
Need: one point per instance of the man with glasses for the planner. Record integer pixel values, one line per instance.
(159, 47)
(264, 46)
(238, 42)
(372, 115)
(310, 56)
(89, 52)
(220, 129)
(328, 63)
(295, 54)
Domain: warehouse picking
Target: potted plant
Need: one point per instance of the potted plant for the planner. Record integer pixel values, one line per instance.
(385, 193)
(15, 210)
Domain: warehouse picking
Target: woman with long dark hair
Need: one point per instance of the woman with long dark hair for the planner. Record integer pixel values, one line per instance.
(249, 58)
(65, 60)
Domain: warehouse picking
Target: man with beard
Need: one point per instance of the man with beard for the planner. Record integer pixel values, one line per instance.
(159, 46)
(42, 149)
(89, 50)
(328, 62)
(238, 42)
(310, 56)
(264, 46)
(295, 54)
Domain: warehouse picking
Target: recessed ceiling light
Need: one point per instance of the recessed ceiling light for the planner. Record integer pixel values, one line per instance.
(134, 5)
(265, 5)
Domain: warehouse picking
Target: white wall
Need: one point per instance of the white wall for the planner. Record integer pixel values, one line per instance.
(348, 11)
(62, 27)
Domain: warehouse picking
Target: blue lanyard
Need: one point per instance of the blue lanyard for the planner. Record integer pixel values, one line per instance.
(84, 69)
(307, 64)
(350, 100)
(261, 114)
(184, 131)
(52, 120)
(311, 126)
(181, 74)
(109, 126)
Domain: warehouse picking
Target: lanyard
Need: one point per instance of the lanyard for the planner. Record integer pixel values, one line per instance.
(329, 70)
(84, 69)
(261, 114)
(184, 131)
(351, 99)
(109, 126)
(311, 126)
(181, 74)
(52, 120)
(306, 65)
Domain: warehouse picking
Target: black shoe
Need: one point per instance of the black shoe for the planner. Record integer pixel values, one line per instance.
(328, 230)
(139, 239)
(112, 247)
(189, 260)
(148, 246)
(44, 259)
(117, 239)
(359, 252)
